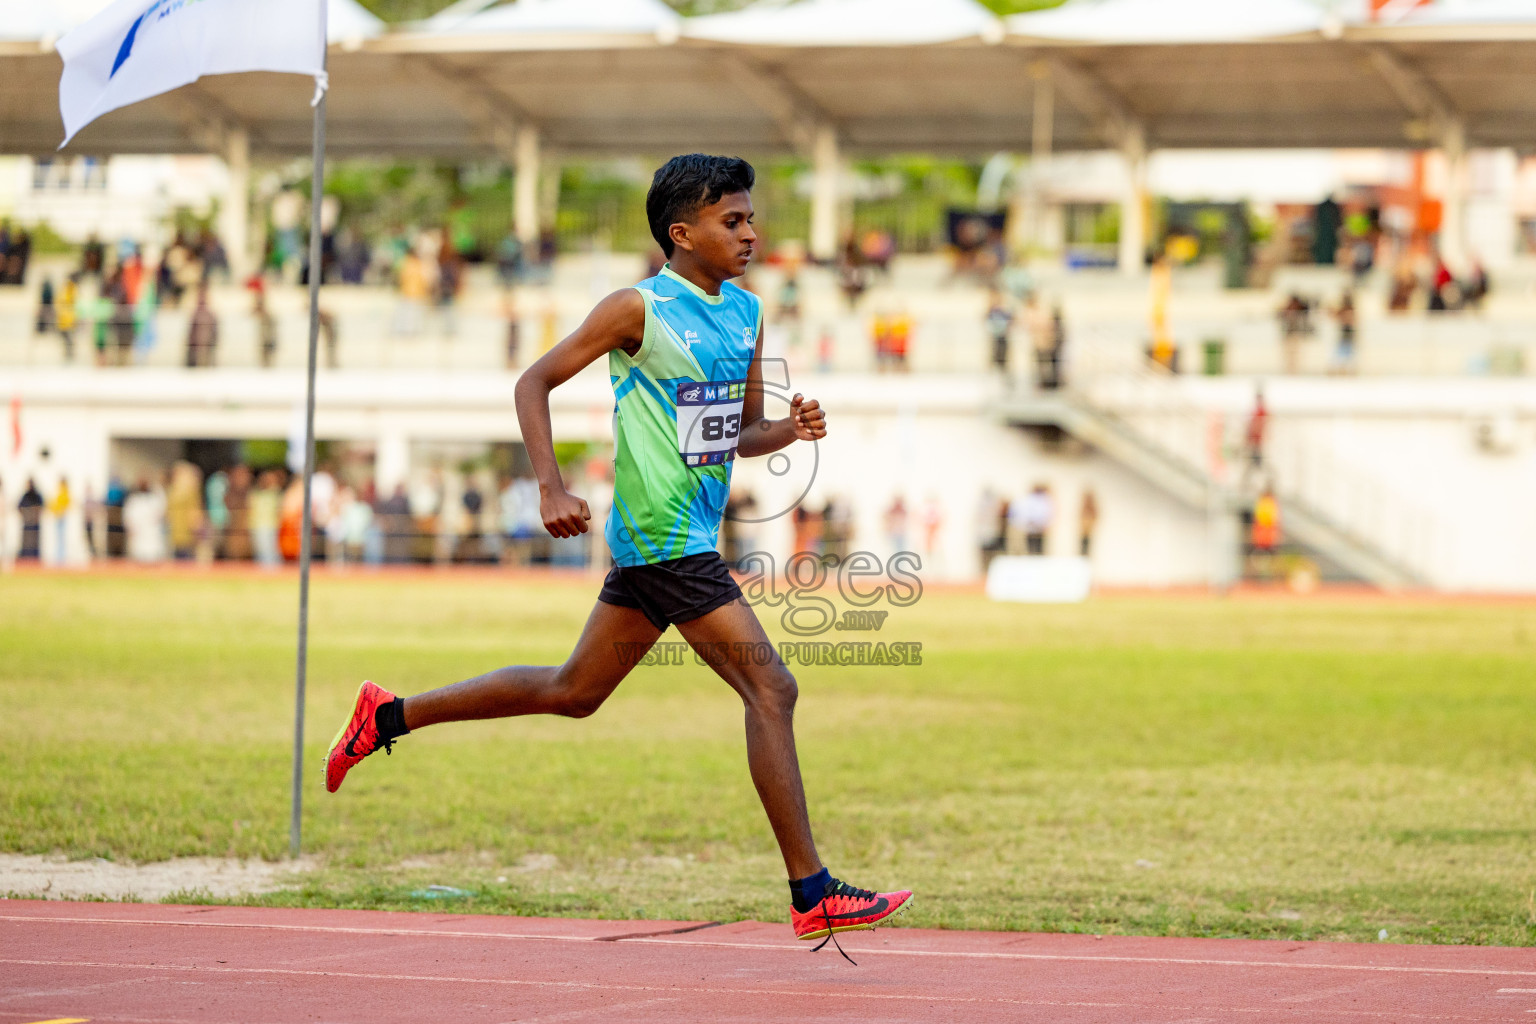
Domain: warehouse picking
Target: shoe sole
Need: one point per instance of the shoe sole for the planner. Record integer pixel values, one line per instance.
(871, 926)
(325, 767)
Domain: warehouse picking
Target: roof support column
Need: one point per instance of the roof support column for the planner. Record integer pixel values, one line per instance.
(525, 186)
(826, 171)
(235, 213)
(1453, 234)
(1133, 205)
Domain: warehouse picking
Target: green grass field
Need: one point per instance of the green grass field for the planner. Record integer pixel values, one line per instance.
(1264, 768)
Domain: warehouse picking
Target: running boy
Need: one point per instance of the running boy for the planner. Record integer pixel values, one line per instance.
(684, 352)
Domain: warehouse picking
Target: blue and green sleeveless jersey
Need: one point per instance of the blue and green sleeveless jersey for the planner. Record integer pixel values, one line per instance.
(677, 418)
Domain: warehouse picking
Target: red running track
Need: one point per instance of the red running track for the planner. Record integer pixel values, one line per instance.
(210, 965)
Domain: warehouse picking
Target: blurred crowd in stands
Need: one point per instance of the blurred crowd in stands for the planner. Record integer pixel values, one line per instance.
(255, 515)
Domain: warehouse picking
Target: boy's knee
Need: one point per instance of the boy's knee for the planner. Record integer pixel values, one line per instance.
(576, 698)
(581, 705)
(778, 689)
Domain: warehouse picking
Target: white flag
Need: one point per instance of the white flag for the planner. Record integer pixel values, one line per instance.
(136, 49)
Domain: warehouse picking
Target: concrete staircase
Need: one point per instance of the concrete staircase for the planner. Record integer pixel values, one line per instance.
(1183, 478)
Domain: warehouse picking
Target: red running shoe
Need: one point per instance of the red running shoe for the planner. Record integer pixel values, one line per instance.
(358, 738)
(846, 909)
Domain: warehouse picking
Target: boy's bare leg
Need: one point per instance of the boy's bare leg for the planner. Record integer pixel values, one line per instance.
(769, 693)
(610, 645)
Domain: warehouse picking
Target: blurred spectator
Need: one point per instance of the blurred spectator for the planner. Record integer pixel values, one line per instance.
(132, 269)
(264, 517)
(471, 548)
(287, 238)
(1475, 291)
(337, 521)
(47, 313)
(999, 320)
(365, 537)
(520, 519)
(69, 315)
(738, 529)
(59, 509)
(31, 509)
(290, 520)
(18, 255)
(214, 259)
(450, 280)
(202, 331)
(329, 338)
(266, 323)
(1163, 353)
(789, 299)
(184, 510)
(1264, 536)
(1443, 293)
(1058, 346)
(92, 256)
(1038, 514)
(1087, 523)
(237, 503)
(216, 497)
(991, 526)
(322, 503)
(1258, 429)
(1344, 357)
(94, 520)
(852, 276)
(896, 524)
(1327, 219)
(1403, 287)
(933, 522)
(509, 260)
(808, 530)
(100, 311)
(122, 317)
(412, 287)
(352, 256)
(898, 340)
(1295, 327)
(117, 537)
(1042, 339)
(172, 263)
(826, 347)
(397, 526)
(144, 522)
(837, 526)
(876, 250)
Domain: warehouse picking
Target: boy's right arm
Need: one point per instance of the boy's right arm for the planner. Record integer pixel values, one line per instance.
(616, 322)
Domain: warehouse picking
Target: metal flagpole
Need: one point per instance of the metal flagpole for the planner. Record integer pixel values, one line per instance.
(317, 194)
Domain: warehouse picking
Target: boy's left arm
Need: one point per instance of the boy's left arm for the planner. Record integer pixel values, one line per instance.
(760, 436)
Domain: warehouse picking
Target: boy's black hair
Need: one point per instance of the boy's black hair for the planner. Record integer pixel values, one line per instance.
(686, 184)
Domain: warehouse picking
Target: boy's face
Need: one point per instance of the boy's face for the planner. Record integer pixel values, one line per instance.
(720, 237)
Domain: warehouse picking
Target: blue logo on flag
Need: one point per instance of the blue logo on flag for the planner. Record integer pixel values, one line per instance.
(709, 394)
(126, 50)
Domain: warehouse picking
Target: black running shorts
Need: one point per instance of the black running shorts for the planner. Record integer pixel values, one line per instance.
(677, 590)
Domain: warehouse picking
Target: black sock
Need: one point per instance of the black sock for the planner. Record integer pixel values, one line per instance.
(805, 893)
(389, 719)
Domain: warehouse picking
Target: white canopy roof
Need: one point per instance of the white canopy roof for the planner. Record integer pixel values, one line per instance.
(565, 17)
(850, 23)
(1462, 19)
(43, 21)
(1111, 22)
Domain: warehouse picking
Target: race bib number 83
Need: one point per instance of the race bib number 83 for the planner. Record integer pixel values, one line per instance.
(709, 420)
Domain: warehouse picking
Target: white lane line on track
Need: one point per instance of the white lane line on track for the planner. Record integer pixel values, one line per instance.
(957, 954)
(1186, 961)
(1517, 991)
(844, 993)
